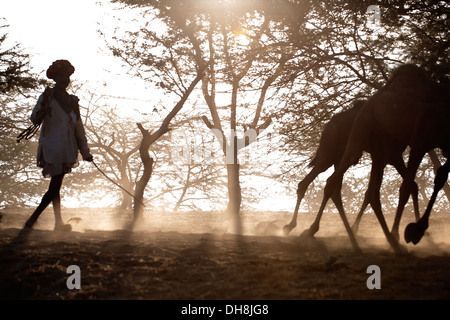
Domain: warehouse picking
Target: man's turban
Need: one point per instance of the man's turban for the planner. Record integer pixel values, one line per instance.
(62, 67)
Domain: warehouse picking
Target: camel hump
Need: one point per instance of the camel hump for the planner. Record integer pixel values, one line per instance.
(359, 103)
(335, 131)
(408, 79)
(409, 70)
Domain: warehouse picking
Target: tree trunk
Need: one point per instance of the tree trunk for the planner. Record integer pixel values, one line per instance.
(147, 140)
(422, 187)
(126, 202)
(146, 175)
(139, 193)
(234, 197)
(126, 183)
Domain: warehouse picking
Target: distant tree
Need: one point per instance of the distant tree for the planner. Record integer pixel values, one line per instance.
(19, 180)
(294, 62)
(149, 138)
(239, 42)
(114, 140)
(15, 70)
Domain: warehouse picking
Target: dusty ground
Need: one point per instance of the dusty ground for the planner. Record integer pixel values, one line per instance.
(191, 256)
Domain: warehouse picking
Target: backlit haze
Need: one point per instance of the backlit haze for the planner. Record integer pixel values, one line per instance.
(50, 29)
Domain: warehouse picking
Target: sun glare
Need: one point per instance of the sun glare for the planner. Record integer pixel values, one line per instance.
(241, 36)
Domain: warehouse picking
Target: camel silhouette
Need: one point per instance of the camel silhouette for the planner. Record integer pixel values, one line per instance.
(384, 150)
(424, 125)
(412, 110)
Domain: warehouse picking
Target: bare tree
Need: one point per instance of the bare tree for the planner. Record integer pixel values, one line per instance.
(148, 138)
(117, 144)
(241, 44)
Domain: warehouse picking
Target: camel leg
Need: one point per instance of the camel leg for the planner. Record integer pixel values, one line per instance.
(334, 183)
(301, 190)
(333, 190)
(408, 184)
(357, 221)
(415, 196)
(337, 199)
(399, 165)
(351, 156)
(415, 231)
(376, 178)
(315, 225)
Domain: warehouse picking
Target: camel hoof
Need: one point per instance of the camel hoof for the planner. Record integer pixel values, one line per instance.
(307, 234)
(396, 236)
(63, 228)
(287, 229)
(399, 249)
(413, 233)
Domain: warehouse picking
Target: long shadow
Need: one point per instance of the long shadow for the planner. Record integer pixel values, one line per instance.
(21, 237)
(10, 288)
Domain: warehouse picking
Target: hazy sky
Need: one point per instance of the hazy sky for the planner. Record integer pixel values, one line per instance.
(67, 29)
(52, 29)
(49, 30)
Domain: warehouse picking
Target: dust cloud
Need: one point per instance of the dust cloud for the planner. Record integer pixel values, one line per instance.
(192, 255)
(260, 224)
